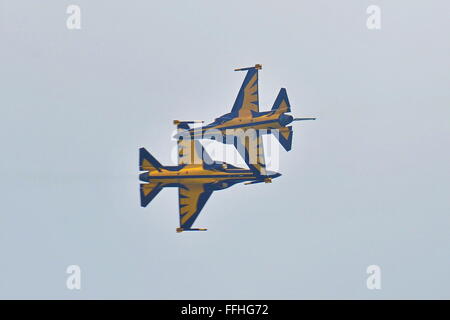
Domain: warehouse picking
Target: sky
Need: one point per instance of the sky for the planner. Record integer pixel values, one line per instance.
(368, 183)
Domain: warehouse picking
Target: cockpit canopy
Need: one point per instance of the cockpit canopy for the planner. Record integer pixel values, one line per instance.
(222, 119)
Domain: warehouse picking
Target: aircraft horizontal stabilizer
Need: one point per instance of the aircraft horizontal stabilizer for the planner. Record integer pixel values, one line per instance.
(284, 136)
(148, 192)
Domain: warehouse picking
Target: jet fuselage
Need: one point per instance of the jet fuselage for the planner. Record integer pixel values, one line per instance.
(255, 120)
(192, 173)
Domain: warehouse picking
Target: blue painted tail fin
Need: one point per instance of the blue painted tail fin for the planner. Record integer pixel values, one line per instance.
(147, 162)
(281, 103)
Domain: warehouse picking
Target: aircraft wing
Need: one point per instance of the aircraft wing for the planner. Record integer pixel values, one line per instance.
(192, 198)
(247, 99)
(250, 146)
(191, 151)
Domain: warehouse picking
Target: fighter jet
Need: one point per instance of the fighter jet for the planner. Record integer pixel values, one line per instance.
(196, 176)
(245, 115)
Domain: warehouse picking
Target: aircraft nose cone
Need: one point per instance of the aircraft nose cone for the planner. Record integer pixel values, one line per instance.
(274, 175)
(285, 119)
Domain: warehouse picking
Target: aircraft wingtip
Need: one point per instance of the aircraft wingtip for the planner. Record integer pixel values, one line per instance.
(257, 66)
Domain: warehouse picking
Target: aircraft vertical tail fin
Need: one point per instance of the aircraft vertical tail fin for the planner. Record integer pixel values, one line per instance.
(147, 162)
(281, 104)
(284, 136)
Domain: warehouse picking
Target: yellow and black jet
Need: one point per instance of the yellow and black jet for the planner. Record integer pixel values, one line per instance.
(245, 115)
(196, 176)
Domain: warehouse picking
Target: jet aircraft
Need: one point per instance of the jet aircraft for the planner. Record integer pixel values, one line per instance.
(196, 176)
(245, 115)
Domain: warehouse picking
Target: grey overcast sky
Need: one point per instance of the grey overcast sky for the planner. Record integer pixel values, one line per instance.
(367, 183)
